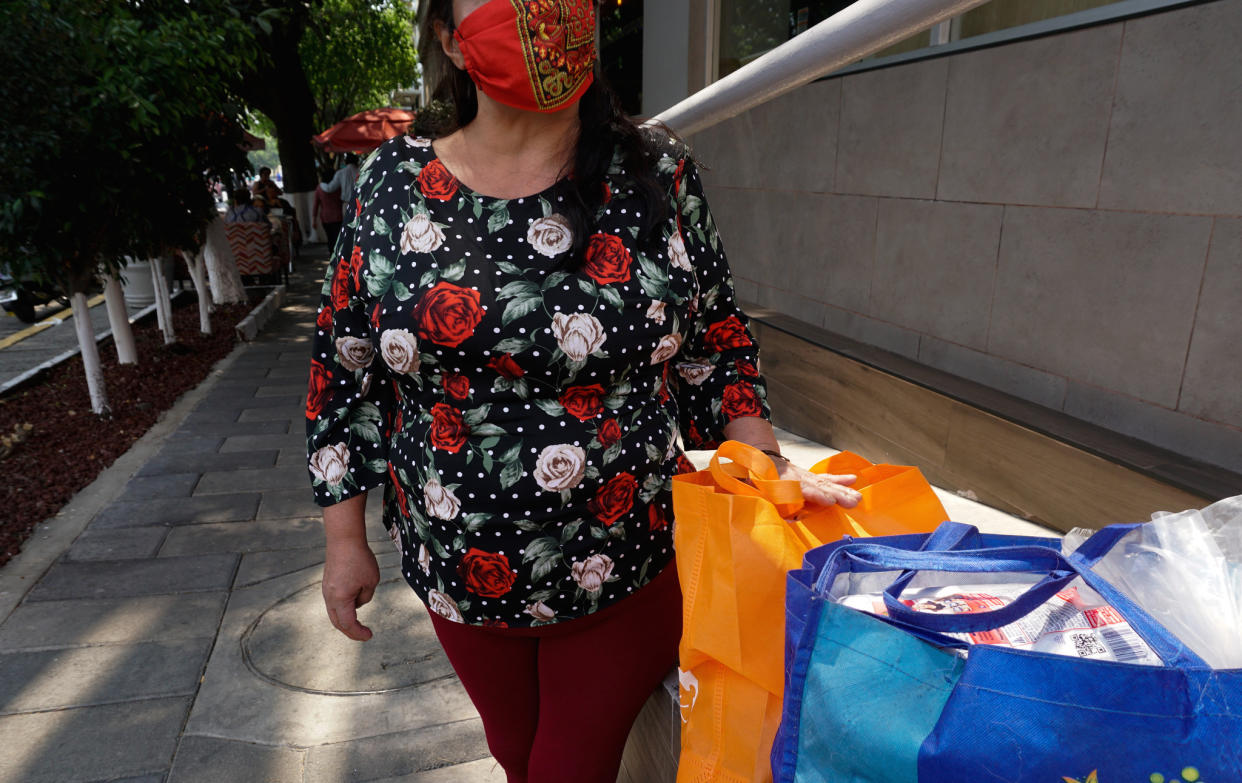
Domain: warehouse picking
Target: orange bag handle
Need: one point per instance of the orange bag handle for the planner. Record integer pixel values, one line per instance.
(750, 463)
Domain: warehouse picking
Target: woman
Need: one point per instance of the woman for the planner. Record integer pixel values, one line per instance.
(521, 319)
(327, 210)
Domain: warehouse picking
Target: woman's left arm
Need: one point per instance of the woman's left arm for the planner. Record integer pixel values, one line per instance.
(821, 488)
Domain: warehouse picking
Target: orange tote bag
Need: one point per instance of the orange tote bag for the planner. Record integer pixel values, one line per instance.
(739, 530)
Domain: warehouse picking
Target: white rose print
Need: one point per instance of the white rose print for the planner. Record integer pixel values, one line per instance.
(440, 501)
(695, 372)
(541, 612)
(420, 235)
(590, 574)
(656, 311)
(400, 350)
(424, 559)
(666, 349)
(677, 252)
(354, 353)
(550, 236)
(559, 467)
(330, 464)
(444, 606)
(578, 335)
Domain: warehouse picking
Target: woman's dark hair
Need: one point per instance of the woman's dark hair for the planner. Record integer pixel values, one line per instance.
(604, 128)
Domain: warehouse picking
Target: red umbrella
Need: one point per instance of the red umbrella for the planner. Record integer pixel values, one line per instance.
(365, 131)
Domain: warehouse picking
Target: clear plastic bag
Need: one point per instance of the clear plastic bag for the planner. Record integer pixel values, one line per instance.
(1185, 570)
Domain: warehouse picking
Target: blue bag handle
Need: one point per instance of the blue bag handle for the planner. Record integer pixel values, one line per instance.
(1059, 570)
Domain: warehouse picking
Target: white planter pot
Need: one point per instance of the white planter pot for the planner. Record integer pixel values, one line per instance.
(137, 285)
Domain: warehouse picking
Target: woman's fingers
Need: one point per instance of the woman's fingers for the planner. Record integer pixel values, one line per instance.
(344, 618)
(826, 489)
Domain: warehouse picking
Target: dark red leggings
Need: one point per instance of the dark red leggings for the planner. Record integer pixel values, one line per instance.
(558, 701)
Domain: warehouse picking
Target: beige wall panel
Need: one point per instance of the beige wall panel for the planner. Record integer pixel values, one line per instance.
(1102, 297)
(890, 130)
(1050, 481)
(1174, 142)
(795, 139)
(1027, 123)
(856, 393)
(1212, 388)
(934, 267)
(726, 153)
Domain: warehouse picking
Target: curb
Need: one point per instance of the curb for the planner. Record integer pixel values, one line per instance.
(248, 328)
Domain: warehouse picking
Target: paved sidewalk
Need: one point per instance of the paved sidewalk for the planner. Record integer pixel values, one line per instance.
(181, 637)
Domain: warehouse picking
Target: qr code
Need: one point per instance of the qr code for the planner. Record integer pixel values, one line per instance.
(1086, 645)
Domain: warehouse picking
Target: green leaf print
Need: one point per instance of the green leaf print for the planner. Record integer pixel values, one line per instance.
(612, 297)
(410, 167)
(543, 567)
(612, 452)
(487, 463)
(520, 307)
(518, 288)
(454, 271)
(512, 454)
(380, 226)
(569, 531)
(476, 522)
(498, 220)
(512, 345)
(483, 430)
(553, 280)
(378, 466)
(475, 416)
(401, 291)
(588, 287)
(598, 533)
(546, 205)
(550, 407)
(511, 474)
(650, 269)
(489, 443)
(429, 278)
(508, 267)
(459, 543)
(540, 548)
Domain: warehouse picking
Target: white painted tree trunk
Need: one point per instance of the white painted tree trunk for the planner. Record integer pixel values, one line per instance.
(226, 282)
(198, 275)
(90, 355)
(163, 305)
(118, 319)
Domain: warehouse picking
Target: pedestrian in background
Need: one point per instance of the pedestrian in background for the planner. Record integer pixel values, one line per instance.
(327, 210)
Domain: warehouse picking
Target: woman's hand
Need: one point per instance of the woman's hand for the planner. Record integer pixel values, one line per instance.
(350, 574)
(822, 489)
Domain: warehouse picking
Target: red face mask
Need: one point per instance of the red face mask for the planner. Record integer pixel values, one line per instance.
(537, 55)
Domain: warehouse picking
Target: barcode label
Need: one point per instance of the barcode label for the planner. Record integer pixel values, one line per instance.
(1125, 643)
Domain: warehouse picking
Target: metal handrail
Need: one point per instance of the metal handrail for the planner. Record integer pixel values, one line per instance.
(861, 29)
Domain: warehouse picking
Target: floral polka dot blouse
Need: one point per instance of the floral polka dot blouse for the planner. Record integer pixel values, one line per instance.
(523, 419)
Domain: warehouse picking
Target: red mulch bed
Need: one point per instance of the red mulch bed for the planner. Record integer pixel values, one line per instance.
(69, 445)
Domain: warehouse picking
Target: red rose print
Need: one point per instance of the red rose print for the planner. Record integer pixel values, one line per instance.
(583, 402)
(448, 314)
(317, 393)
(747, 370)
(355, 267)
(494, 623)
(324, 319)
(506, 366)
(448, 429)
(663, 396)
(436, 181)
(740, 400)
(607, 193)
(726, 334)
(486, 574)
(607, 260)
(695, 438)
(609, 433)
(456, 385)
(684, 465)
(396, 485)
(613, 499)
(375, 316)
(655, 519)
(340, 287)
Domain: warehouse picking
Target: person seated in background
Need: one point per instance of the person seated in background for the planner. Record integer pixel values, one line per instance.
(327, 210)
(243, 211)
(264, 186)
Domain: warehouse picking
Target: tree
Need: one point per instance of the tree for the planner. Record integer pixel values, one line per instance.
(323, 61)
(119, 122)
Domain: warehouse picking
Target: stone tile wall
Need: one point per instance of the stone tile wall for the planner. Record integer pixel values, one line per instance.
(1059, 218)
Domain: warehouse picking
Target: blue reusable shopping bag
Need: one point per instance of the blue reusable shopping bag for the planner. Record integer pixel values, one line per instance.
(872, 700)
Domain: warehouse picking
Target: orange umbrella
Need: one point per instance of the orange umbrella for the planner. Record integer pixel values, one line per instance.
(365, 131)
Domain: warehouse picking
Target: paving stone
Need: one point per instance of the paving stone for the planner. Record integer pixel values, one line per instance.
(156, 778)
(281, 390)
(293, 371)
(199, 444)
(120, 578)
(91, 743)
(101, 674)
(154, 487)
(271, 414)
(264, 535)
(249, 480)
(122, 544)
(227, 429)
(294, 438)
(203, 463)
(179, 511)
(293, 456)
(393, 755)
(481, 771)
(289, 503)
(211, 760)
(260, 566)
(113, 620)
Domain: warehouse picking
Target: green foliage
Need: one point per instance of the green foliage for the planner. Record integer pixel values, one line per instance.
(119, 120)
(355, 53)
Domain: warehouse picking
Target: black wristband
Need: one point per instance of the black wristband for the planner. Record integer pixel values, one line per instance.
(775, 455)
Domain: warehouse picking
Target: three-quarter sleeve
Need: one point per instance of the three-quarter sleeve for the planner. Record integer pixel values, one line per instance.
(717, 377)
(349, 402)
